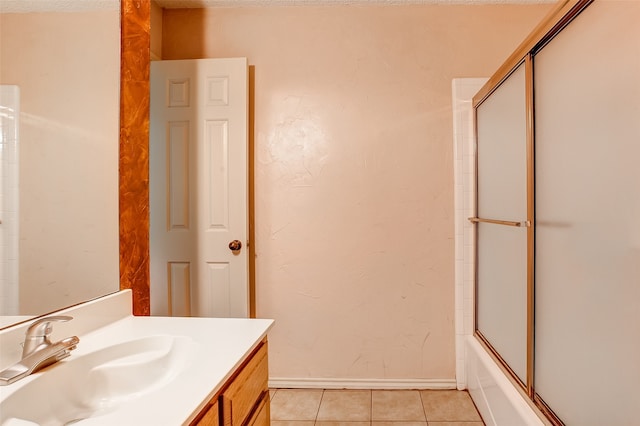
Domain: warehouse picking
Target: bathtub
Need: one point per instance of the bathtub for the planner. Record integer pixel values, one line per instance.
(498, 400)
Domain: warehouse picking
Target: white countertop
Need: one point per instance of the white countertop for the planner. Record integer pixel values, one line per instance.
(217, 347)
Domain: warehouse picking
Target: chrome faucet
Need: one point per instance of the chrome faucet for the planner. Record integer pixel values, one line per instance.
(38, 351)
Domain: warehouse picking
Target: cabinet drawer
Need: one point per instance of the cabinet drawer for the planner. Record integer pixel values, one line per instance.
(245, 391)
(211, 417)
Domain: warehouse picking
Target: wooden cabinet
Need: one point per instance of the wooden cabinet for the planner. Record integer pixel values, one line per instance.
(243, 395)
(261, 416)
(210, 415)
(244, 399)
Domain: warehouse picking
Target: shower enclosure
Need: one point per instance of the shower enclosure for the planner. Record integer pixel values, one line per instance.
(9, 117)
(557, 223)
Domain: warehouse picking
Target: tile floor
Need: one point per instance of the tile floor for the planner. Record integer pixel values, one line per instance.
(309, 407)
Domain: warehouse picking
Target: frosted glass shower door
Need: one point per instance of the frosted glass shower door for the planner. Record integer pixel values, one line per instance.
(501, 267)
(587, 333)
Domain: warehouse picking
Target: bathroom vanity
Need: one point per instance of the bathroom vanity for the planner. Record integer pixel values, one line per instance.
(142, 370)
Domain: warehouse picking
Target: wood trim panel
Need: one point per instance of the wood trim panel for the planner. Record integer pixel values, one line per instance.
(135, 56)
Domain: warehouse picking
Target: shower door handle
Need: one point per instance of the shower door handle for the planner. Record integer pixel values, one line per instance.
(523, 224)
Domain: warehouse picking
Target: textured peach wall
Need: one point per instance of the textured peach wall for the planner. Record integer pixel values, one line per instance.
(353, 173)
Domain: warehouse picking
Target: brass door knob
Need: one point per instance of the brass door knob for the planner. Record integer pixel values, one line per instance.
(235, 245)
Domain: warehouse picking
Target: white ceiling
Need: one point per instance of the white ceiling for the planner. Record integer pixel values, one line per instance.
(22, 6)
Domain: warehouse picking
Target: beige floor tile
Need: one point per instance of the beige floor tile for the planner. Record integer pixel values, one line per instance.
(456, 424)
(396, 405)
(449, 405)
(345, 406)
(328, 423)
(399, 424)
(296, 404)
(292, 422)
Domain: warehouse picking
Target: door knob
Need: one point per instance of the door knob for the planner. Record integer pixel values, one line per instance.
(235, 245)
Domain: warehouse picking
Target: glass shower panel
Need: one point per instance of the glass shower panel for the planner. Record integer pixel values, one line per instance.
(587, 330)
(502, 292)
(501, 268)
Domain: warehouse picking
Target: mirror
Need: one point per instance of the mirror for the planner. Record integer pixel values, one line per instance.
(65, 59)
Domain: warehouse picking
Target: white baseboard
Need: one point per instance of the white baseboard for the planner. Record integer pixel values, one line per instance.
(310, 383)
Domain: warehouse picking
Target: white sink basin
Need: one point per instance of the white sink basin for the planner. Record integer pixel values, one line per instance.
(127, 370)
(97, 383)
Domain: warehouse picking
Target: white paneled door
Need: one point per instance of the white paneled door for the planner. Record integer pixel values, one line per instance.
(199, 188)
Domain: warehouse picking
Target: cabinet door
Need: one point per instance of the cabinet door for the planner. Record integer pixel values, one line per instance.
(261, 417)
(246, 390)
(211, 417)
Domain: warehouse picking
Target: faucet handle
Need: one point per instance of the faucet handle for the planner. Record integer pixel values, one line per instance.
(38, 333)
(43, 327)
